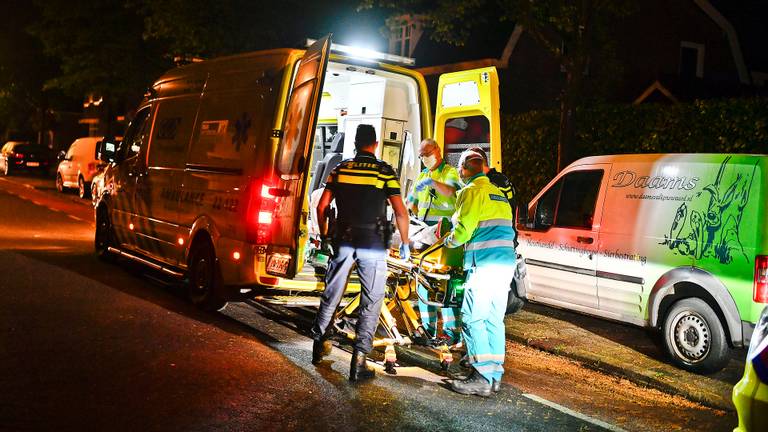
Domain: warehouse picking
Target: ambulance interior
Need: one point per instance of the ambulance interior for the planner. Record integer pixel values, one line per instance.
(353, 95)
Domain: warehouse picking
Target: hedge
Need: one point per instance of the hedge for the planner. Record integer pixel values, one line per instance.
(529, 140)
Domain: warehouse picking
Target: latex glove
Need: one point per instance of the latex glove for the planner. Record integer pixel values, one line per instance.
(405, 252)
(427, 182)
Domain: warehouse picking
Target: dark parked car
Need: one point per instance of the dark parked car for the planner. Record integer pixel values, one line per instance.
(23, 156)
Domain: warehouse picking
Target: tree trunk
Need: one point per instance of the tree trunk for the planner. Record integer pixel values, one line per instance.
(567, 125)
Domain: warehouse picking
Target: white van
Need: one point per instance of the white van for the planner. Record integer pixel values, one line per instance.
(78, 165)
(212, 180)
(670, 241)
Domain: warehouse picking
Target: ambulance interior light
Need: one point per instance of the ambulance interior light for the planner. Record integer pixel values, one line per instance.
(368, 54)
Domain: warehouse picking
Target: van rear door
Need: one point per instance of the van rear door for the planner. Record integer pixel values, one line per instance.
(467, 114)
(292, 160)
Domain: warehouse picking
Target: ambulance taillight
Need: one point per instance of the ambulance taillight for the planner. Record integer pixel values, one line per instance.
(261, 206)
(760, 291)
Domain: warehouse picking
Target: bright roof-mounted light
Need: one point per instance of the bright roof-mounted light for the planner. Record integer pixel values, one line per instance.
(368, 54)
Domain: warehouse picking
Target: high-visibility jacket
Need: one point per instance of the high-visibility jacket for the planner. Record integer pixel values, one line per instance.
(433, 208)
(483, 223)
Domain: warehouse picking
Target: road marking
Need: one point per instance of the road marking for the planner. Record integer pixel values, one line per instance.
(573, 413)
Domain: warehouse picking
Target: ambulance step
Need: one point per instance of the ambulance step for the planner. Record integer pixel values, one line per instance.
(287, 300)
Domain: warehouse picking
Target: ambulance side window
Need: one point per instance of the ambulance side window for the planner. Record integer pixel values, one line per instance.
(576, 208)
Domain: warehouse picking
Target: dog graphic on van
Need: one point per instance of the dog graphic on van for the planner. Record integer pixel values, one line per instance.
(709, 225)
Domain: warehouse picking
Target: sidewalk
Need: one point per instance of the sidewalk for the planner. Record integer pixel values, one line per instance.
(616, 349)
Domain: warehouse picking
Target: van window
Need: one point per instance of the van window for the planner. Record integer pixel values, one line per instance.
(71, 152)
(173, 126)
(576, 208)
(289, 159)
(137, 134)
(546, 206)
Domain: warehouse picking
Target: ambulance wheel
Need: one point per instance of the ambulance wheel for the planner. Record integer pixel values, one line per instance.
(514, 303)
(104, 236)
(694, 337)
(204, 286)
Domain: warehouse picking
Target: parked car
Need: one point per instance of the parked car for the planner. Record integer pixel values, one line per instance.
(23, 156)
(673, 242)
(750, 395)
(78, 165)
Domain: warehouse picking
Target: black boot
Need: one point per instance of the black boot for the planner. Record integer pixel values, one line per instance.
(474, 384)
(358, 369)
(320, 349)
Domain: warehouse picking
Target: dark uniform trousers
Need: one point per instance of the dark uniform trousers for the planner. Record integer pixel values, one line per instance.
(368, 251)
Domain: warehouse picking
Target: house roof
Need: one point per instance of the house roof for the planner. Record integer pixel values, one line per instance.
(748, 17)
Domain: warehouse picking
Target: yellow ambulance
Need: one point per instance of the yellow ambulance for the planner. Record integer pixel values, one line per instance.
(213, 179)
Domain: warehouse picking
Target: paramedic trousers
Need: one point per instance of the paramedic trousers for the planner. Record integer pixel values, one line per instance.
(429, 316)
(482, 315)
(370, 258)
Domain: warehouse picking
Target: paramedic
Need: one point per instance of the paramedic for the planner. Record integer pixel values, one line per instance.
(497, 178)
(434, 197)
(361, 186)
(483, 224)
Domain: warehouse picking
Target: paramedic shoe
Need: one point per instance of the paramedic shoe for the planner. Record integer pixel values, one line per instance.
(496, 386)
(358, 369)
(474, 384)
(320, 349)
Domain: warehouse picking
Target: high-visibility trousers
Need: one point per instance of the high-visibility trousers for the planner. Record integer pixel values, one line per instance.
(482, 315)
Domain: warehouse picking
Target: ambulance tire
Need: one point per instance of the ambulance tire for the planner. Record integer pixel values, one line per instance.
(204, 285)
(514, 302)
(104, 236)
(694, 337)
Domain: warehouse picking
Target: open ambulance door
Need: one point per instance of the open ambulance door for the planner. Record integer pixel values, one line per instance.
(292, 160)
(467, 114)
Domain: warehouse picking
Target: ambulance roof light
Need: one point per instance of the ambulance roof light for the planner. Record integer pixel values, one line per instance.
(368, 54)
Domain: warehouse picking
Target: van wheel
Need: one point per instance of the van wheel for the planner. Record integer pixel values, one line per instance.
(205, 286)
(105, 236)
(59, 183)
(694, 337)
(514, 303)
(83, 189)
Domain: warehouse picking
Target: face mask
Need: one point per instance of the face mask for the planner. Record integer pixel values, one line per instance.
(429, 161)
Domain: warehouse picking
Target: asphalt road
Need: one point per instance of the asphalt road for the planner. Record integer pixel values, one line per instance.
(86, 345)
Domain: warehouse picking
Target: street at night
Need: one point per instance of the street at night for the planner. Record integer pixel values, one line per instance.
(375, 215)
(94, 346)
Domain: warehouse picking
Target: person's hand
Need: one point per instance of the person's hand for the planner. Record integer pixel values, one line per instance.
(326, 246)
(423, 184)
(405, 252)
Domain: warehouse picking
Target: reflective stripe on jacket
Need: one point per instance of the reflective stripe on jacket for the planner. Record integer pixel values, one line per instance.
(483, 223)
(440, 205)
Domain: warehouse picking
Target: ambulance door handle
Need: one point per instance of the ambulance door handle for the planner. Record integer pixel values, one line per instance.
(585, 240)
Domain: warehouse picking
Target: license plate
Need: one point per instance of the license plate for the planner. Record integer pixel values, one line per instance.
(278, 264)
(33, 164)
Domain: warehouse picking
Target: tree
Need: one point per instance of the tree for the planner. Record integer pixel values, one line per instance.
(573, 31)
(101, 50)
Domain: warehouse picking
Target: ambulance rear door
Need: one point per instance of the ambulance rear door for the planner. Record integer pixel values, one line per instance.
(467, 114)
(292, 160)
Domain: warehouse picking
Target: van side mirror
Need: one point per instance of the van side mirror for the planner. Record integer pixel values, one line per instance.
(106, 150)
(60, 156)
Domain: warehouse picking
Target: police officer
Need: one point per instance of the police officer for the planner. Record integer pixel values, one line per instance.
(361, 186)
(434, 197)
(483, 225)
